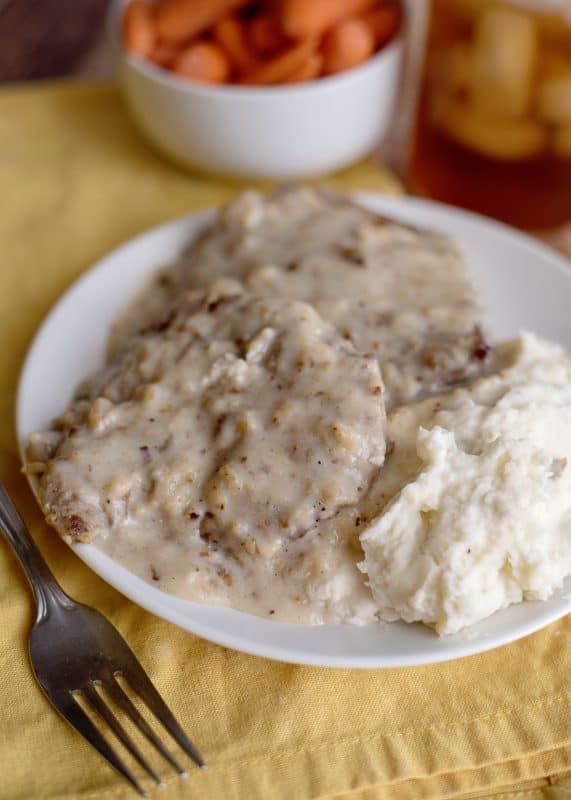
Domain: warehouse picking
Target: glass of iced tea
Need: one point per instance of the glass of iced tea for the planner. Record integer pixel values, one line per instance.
(493, 123)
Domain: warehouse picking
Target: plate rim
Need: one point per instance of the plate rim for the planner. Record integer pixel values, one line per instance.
(161, 603)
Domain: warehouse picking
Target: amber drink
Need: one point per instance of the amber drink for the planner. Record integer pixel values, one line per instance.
(493, 125)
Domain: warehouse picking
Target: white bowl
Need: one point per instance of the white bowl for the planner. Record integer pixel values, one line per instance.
(283, 132)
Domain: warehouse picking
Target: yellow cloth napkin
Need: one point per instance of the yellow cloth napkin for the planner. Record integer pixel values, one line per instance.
(75, 180)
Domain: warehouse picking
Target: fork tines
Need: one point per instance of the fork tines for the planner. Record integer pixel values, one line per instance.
(141, 684)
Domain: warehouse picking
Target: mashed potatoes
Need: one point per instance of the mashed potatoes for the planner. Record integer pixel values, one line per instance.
(480, 480)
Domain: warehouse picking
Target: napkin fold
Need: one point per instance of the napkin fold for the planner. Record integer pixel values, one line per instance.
(76, 179)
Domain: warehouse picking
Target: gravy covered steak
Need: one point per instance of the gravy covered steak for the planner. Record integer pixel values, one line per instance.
(214, 452)
(402, 294)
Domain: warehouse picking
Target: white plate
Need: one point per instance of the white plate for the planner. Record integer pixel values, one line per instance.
(526, 286)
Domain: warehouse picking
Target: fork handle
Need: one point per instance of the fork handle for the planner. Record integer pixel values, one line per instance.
(46, 589)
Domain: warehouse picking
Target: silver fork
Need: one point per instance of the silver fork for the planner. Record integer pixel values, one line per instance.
(75, 652)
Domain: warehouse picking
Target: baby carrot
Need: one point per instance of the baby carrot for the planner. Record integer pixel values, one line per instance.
(138, 28)
(276, 69)
(265, 35)
(180, 20)
(346, 45)
(384, 22)
(308, 71)
(229, 33)
(164, 54)
(202, 62)
(301, 18)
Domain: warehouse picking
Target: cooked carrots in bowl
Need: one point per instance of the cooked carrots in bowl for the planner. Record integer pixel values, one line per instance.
(278, 89)
(268, 42)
